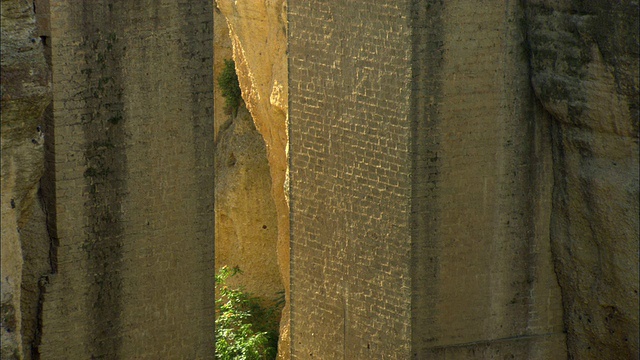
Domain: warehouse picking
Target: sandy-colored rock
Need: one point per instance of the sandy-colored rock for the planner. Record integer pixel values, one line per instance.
(222, 50)
(246, 226)
(25, 94)
(258, 34)
(585, 72)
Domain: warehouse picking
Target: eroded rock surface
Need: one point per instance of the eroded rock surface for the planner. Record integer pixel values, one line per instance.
(258, 34)
(246, 227)
(221, 51)
(25, 94)
(584, 58)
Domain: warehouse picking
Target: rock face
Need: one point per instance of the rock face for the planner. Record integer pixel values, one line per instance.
(258, 34)
(221, 50)
(25, 94)
(584, 58)
(584, 73)
(246, 226)
(133, 201)
(420, 184)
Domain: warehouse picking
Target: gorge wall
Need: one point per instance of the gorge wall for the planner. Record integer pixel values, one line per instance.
(584, 62)
(245, 213)
(246, 225)
(420, 185)
(257, 29)
(133, 165)
(464, 179)
(26, 92)
(128, 258)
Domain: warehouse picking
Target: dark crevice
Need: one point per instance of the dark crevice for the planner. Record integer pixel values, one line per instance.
(48, 189)
(37, 338)
(46, 196)
(46, 262)
(427, 43)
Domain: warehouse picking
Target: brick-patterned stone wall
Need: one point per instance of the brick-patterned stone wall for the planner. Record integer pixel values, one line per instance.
(133, 166)
(420, 184)
(349, 77)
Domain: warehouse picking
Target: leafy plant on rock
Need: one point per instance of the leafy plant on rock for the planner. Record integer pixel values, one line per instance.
(236, 337)
(230, 87)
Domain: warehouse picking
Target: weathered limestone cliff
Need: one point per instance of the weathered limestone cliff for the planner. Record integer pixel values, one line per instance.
(222, 50)
(25, 94)
(584, 73)
(258, 34)
(430, 193)
(246, 226)
(584, 58)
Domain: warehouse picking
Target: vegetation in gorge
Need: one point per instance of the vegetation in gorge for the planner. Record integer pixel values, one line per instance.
(244, 329)
(230, 87)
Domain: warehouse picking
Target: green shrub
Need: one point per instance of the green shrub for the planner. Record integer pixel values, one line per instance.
(236, 314)
(228, 82)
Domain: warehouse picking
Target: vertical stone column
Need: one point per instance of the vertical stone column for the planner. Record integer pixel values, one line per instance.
(350, 136)
(133, 152)
(483, 284)
(420, 184)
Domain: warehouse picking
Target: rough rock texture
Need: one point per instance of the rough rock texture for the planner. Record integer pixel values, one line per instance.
(420, 184)
(584, 57)
(246, 226)
(221, 50)
(258, 34)
(25, 94)
(133, 202)
(35, 252)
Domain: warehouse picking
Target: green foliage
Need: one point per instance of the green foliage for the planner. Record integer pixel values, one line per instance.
(228, 82)
(236, 316)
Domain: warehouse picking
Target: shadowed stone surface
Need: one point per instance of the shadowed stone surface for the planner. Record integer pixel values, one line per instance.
(420, 184)
(133, 175)
(584, 58)
(26, 92)
(447, 161)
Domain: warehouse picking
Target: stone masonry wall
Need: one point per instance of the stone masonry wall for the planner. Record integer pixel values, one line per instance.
(420, 184)
(349, 83)
(133, 167)
(483, 284)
